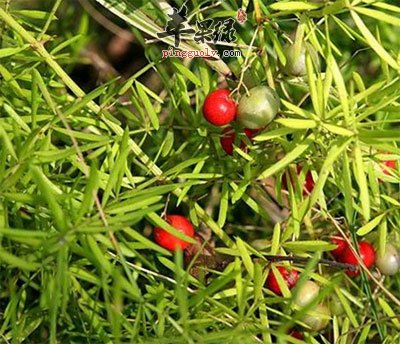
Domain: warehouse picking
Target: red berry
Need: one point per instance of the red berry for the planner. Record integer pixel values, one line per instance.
(289, 276)
(296, 334)
(308, 184)
(169, 241)
(228, 138)
(367, 254)
(219, 109)
(309, 181)
(391, 164)
(341, 245)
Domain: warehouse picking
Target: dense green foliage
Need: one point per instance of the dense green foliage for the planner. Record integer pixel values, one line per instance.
(88, 165)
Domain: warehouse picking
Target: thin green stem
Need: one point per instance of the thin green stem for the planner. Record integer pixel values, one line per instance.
(49, 19)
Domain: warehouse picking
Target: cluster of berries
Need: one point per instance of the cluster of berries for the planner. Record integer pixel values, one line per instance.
(318, 316)
(254, 111)
(387, 262)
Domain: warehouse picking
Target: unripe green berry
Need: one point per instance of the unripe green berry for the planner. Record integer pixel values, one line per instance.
(296, 63)
(307, 293)
(318, 318)
(389, 263)
(335, 305)
(258, 108)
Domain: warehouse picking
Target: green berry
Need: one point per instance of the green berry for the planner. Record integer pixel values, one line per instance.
(307, 293)
(317, 318)
(389, 262)
(296, 63)
(258, 108)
